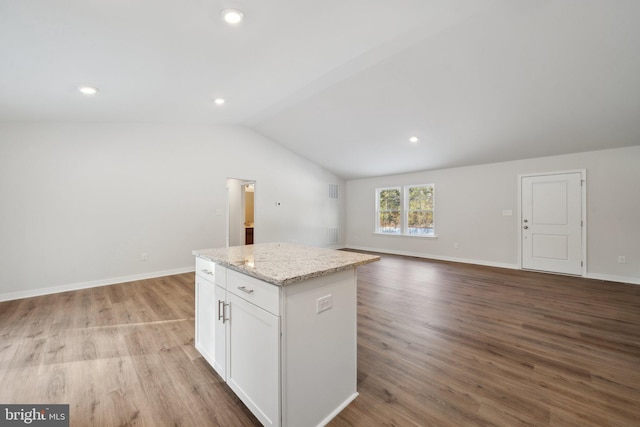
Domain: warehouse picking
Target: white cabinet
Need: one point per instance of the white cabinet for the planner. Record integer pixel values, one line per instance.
(254, 365)
(207, 341)
(205, 306)
(290, 362)
(221, 325)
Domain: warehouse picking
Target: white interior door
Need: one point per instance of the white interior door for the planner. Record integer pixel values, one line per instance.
(551, 222)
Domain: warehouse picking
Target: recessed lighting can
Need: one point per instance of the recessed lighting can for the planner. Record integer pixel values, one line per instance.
(218, 101)
(413, 139)
(232, 16)
(87, 90)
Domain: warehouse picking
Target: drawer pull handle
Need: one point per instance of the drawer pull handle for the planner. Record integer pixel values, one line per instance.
(245, 290)
(204, 270)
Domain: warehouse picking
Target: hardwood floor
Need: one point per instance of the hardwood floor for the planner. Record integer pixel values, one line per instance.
(439, 344)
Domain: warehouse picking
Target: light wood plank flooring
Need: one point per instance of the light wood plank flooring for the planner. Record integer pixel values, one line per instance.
(439, 344)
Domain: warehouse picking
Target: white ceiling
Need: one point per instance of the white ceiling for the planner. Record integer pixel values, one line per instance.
(343, 83)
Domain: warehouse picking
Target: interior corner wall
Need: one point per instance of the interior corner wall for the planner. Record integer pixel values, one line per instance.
(470, 201)
(80, 203)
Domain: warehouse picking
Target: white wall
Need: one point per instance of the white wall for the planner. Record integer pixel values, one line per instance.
(79, 203)
(469, 202)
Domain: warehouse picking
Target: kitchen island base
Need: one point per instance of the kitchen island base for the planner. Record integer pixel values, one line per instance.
(288, 351)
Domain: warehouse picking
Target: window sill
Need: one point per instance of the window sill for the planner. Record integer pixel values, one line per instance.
(429, 236)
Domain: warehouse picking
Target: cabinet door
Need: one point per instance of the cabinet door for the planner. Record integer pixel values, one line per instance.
(220, 330)
(253, 368)
(205, 320)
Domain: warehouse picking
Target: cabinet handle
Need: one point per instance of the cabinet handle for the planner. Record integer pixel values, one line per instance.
(245, 290)
(224, 312)
(204, 270)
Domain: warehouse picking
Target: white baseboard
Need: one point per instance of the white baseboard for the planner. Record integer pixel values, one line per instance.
(84, 285)
(437, 257)
(112, 281)
(339, 409)
(613, 278)
(596, 276)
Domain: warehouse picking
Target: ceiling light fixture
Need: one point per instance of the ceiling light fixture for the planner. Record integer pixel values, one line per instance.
(231, 16)
(218, 101)
(87, 90)
(413, 139)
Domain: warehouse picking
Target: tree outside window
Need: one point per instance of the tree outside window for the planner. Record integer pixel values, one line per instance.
(419, 205)
(407, 211)
(389, 210)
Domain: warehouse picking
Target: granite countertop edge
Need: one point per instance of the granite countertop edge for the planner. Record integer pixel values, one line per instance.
(220, 256)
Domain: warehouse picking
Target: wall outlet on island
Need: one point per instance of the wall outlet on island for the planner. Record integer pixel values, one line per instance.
(144, 256)
(323, 304)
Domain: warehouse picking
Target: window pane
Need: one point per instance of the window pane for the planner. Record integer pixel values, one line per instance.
(389, 199)
(420, 210)
(420, 222)
(421, 198)
(389, 222)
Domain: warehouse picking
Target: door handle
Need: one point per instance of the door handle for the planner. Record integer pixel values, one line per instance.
(526, 227)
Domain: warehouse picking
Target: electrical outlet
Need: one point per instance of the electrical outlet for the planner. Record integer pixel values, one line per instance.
(456, 245)
(622, 259)
(324, 303)
(144, 256)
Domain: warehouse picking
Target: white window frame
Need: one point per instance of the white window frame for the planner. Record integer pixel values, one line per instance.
(403, 229)
(378, 211)
(407, 210)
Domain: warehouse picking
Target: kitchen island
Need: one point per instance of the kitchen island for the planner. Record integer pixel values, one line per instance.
(277, 321)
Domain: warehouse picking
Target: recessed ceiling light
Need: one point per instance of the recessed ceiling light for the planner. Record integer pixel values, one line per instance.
(87, 90)
(413, 139)
(231, 16)
(218, 101)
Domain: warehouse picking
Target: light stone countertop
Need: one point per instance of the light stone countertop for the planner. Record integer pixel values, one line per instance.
(284, 263)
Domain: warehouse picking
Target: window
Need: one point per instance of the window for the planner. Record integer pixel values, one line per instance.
(389, 209)
(419, 210)
(405, 211)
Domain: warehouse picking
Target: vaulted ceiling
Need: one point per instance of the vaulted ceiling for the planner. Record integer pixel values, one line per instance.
(343, 83)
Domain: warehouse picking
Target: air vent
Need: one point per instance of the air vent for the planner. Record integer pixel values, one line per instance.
(332, 234)
(333, 191)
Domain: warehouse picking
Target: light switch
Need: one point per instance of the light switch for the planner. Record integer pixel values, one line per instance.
(507, 212)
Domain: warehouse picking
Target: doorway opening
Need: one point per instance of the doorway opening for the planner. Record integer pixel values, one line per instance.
(241, 211)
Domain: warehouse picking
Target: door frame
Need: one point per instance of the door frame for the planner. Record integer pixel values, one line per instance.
(241, 183)
(583, 189)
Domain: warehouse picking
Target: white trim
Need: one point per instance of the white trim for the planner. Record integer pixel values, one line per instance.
(437, 257)
(583, 188)
(93, 284)
(336, 411)
(611, 278)
(422, 236)
(595, 276)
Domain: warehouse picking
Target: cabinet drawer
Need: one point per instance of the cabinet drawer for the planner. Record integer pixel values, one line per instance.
(210, 271)
(263, 294)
